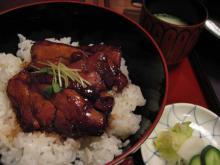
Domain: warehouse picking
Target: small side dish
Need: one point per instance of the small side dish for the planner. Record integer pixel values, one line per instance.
(186, 134)
(175, 144)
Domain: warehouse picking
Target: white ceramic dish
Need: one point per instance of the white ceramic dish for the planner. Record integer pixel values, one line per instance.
(205, 124)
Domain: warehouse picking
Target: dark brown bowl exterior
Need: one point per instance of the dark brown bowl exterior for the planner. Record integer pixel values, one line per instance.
(176, 41)
(91, 24)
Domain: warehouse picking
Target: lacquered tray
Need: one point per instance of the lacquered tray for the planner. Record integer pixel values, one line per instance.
(206, 63)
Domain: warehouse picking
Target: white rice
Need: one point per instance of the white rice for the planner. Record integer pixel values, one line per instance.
(18, 148)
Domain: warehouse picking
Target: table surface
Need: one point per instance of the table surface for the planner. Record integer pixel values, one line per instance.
(183, 83)
(184, 86)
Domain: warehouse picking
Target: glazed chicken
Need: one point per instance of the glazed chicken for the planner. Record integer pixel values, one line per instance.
(77, 109)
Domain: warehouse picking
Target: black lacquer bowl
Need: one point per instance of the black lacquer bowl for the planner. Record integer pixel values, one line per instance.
(90, 24)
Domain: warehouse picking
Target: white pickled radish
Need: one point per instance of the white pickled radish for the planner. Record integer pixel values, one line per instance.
(191, 147)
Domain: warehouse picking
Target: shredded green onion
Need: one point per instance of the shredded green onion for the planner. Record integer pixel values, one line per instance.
(61, 75)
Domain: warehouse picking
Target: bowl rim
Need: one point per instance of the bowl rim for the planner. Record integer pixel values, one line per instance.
(120, 158)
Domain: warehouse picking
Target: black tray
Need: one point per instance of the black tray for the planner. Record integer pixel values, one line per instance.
(206, 63)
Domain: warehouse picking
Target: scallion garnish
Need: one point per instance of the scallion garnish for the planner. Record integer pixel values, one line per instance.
(61, 75)
(48, 91)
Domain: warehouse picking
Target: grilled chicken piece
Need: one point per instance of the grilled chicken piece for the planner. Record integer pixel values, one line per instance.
(67, 112)
(76, 110)
(105, 72)
(44, 51)
(100, 64)
(104, 104)
(32, 109)
(113, 53)
(75, 115)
